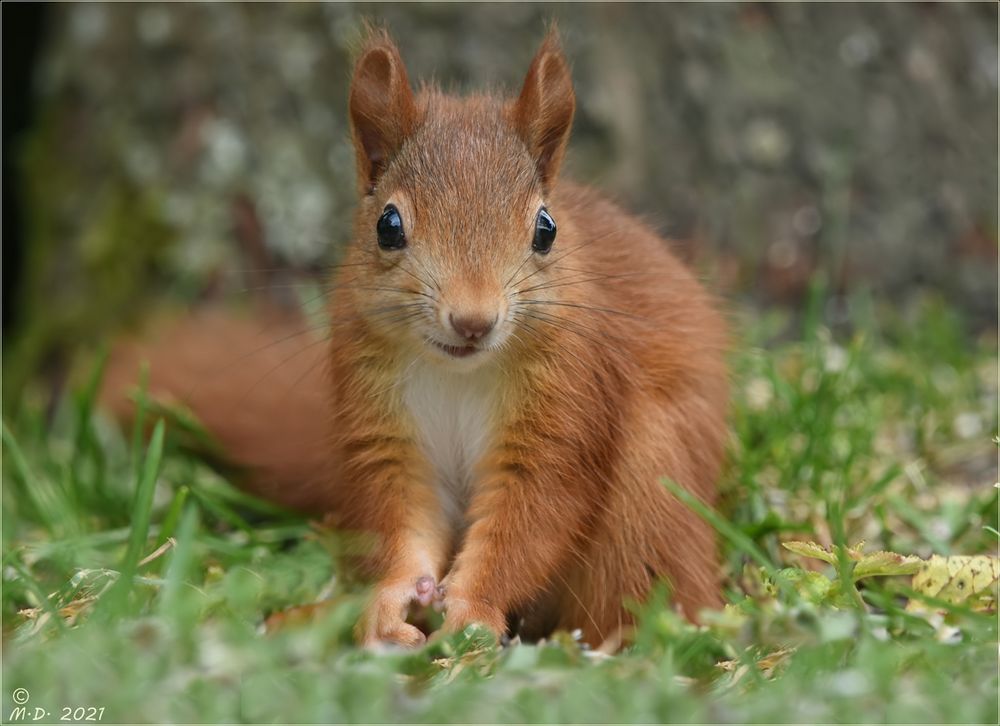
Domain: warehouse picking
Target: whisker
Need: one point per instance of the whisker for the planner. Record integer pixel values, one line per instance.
(538, 333)
(402, 376)
(601, 332)
(373, 313)
(586, 563)
(242, 399)
(413, 292)
(432, 283)
(523, 263)
(548, 283)
(571, 327)
(283, 286)
(581, 306)
(292, 270)
(563, 256)
(417, 277)
(256, 351)
(423, 268)
(384, 288)
(595, 278)
(310, 369)
(391, 321)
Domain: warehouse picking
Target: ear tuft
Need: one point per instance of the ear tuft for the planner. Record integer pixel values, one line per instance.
(543, 113)
(382, 109)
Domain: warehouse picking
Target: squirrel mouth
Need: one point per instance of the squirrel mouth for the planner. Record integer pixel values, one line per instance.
(456, 351)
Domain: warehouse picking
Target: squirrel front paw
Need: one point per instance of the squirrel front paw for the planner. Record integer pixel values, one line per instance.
(461, 611)
(383, 622)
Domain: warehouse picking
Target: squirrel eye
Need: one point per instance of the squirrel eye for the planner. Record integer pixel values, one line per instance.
(390, 229)
(545, 232)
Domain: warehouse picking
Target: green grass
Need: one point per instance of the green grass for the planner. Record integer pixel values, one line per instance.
(883, 434)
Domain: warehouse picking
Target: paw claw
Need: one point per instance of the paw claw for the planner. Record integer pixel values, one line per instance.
(439, 595)
(425, 589)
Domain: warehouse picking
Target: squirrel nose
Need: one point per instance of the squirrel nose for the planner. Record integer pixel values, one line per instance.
(472, 327)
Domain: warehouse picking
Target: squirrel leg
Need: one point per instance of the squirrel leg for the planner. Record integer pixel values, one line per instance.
(392, 499)
(413, 568)
(526, 521)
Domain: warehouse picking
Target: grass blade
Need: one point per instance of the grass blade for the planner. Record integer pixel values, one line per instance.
(173, 515)
(142, 511)
(729, 531)
(140, 418)
(736, 538)
(45, 501)
(180, 562)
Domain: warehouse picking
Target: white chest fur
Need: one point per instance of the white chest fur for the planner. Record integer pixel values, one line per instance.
(454, 414)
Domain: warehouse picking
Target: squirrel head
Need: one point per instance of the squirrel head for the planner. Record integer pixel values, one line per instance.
(455, 200)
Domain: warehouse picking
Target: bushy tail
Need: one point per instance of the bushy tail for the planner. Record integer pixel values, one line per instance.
(257, 387)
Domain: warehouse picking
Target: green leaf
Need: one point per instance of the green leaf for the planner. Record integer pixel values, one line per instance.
(812, 550)
(886, 564)
(813, 586)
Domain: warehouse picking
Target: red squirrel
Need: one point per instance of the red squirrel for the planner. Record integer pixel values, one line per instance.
(514, 365)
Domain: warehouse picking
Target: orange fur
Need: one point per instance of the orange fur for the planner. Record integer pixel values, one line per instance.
(258, 387)
(604, 374)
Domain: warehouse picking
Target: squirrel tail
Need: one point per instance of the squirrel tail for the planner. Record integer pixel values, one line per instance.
(258, 389)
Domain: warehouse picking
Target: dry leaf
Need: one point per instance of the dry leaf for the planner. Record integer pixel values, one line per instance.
(959, 579)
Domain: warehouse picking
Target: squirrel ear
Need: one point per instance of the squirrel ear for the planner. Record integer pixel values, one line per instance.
(381, 107)
(543, 113)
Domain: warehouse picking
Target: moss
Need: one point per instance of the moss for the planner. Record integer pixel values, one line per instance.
(93, 244)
